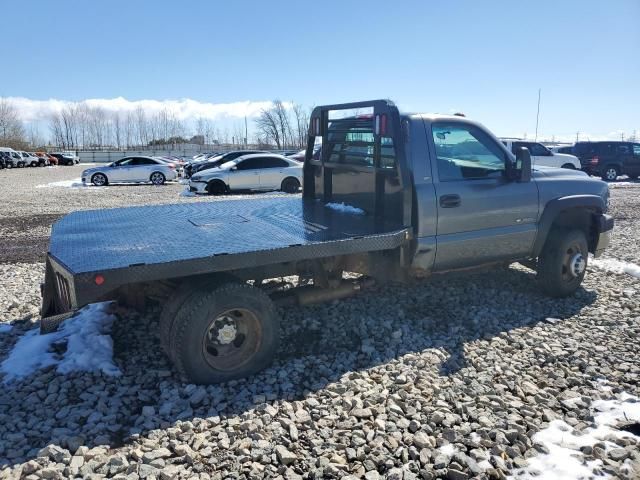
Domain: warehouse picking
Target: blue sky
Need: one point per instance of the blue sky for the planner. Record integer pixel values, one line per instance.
(487, 58)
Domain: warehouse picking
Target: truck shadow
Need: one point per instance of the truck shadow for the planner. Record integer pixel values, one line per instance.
(436, 319)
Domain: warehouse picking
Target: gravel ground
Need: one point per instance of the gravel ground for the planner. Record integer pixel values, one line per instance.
(449, 378)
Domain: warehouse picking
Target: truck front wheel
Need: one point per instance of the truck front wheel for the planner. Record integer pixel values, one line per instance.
(563, 262)
(224, 333)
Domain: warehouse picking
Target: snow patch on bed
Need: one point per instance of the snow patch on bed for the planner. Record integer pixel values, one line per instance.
(616, 266)
(344, 208)
(565, 461)
(89, 347)
(75, 183)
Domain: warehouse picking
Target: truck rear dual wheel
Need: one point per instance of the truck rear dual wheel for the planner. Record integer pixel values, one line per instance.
(223, 333)
(563, 262)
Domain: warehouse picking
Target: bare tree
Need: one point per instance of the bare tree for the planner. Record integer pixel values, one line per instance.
(11, 127)
(301, 121)
(142, 129)
(269, 127)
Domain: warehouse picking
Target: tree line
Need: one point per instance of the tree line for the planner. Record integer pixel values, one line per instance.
(75, 126)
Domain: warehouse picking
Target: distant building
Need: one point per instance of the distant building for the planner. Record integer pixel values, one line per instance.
(197, 139)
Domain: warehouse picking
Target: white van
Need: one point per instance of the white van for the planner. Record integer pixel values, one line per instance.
(15, 158)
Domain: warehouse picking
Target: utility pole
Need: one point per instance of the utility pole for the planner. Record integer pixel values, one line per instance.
(246, 136)
(577, 136)
(538, 114)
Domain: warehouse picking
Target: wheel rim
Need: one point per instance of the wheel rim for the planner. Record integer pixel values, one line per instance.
(611, 174)
(574, 263)
(99, 180)
(231, 339)
(156, 178)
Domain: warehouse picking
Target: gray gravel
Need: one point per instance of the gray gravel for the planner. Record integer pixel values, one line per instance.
(449, 378)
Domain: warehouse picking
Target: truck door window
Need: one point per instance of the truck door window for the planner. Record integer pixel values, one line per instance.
(466, 153)
(636, 150)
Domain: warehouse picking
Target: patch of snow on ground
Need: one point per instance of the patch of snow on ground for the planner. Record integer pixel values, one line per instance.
(565, 461)
(616, 266)
(5, 327)
(448, 449)
(89, 346)
(187, 193)
(344, 208)
(624, 184)
(75, 183)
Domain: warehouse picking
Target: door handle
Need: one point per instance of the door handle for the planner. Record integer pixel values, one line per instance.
(450, 201)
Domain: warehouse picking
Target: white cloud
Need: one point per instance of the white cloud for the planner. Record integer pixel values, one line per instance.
(184, 109)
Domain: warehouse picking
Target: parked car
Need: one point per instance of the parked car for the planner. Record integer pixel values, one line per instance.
(14, 159)
(43, 161)
(299, 156)
(130, 169)
(541, 155)
(609, 159)
(258, 171)
(175, 164)
(66, 158)
(30, 160)
(4, 158)
(191, 168)
(50, 158)
(448, 197)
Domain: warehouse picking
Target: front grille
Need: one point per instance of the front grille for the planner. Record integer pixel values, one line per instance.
(64, 294)
(193, 189)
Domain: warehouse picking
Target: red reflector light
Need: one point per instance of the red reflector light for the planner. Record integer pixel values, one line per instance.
(381, 125)
(99, 280)
(595, 160)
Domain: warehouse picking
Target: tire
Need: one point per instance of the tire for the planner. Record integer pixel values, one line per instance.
(569, 166)
(290, 185)
(216, 187)
(20, 164)
(224, 333)
(610, 173)
(563, 262)
(69, 163)
(99, 179)
(33, 164)
(177, 300)
(157, 178)
(10, 165)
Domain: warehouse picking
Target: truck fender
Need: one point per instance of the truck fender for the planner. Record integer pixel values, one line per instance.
(556, 206)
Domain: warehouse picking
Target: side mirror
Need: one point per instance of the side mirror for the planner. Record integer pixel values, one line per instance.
(523, 165)
(233, 169)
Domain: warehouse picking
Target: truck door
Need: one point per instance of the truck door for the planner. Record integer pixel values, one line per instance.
(482, 215)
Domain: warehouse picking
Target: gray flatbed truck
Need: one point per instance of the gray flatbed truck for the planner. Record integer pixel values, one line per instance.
(430, 194)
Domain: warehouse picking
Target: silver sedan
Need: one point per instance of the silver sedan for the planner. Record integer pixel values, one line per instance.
(260, 171)
(131, 169)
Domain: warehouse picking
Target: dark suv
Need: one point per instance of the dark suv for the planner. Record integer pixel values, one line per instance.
(609, 160)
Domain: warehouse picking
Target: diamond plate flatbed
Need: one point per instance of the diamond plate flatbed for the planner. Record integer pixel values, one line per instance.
(136, 244)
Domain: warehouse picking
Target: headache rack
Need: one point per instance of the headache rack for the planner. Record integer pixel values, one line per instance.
(362, 161)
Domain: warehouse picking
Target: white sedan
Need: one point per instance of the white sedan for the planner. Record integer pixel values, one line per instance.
(250, 172)
(131, 169)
